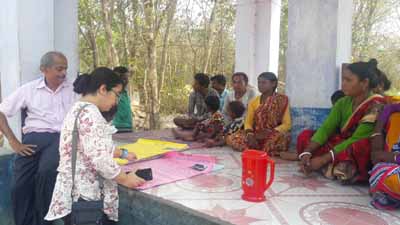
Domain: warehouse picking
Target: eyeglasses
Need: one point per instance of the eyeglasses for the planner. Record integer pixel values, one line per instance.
(116, 94)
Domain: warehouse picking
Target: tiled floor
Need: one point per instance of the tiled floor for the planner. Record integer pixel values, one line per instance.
(292, 199)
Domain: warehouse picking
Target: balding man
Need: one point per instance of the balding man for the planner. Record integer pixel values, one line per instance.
(46, 101)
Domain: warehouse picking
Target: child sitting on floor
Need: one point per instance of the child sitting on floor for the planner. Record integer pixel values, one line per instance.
(206, 130)
(235, 111)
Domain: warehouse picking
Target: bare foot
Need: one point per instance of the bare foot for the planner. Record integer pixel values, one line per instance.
(188, 138)
(292, 156)
(304, 170)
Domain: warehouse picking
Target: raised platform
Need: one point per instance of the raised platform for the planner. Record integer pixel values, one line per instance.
(292, 199)
(215, 198)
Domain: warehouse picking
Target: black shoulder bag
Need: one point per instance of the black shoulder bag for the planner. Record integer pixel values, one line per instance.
(84, 212)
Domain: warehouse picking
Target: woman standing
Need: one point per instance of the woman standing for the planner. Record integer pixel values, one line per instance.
(95, 150)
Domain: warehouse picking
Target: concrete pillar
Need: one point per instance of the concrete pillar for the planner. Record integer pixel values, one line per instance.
(257, 37)
(28, 29)
(319, 41)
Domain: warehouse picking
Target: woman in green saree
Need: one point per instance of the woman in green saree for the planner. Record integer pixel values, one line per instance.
(340, 147)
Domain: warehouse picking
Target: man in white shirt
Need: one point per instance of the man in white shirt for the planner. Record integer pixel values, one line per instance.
(46, 101)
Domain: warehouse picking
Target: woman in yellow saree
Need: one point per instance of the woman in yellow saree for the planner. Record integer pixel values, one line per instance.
(267, 122)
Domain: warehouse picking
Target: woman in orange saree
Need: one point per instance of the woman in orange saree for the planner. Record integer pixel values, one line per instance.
(267, 122)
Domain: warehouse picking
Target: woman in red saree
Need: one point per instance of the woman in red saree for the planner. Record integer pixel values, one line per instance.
(341, 147)
(267, 123)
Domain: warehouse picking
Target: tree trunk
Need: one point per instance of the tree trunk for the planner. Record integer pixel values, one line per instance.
(107, 9)
(151, 61)
(88, 30)
(164, 51)
(136, 32)
(95, 52)
(367, 29)
(92, 46)
(124, 31)
(210, 32)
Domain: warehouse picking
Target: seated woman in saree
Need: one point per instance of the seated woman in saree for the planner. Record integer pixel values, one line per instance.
(385, 176)
(267, 124)
(340, 148)
(95, 150)
(386, 132)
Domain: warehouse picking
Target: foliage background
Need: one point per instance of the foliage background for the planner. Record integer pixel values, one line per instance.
(164, 42)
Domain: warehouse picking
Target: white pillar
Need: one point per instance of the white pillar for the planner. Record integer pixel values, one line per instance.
(28, 29)
(257, 37)
(66, 38)
(319, 41)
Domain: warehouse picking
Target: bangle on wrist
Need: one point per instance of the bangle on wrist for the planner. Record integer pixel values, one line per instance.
(332, 155)
(124, 153)
(376, 134)
(304, 153)
(396, 158)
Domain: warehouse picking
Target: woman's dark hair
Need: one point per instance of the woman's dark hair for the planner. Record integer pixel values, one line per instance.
(237, 108)
(220, 79)
(243, 75)
(121, 69)
(269, 76)
(212, 102)
(366, 70)
(383, 79)
(90, 83)
(202, 79)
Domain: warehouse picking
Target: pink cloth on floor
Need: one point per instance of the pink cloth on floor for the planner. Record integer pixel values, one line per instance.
(173, 166)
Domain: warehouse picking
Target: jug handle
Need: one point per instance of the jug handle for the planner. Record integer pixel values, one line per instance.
(271, 173)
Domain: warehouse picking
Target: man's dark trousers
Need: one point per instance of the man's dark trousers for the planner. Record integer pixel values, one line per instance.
(34, 178)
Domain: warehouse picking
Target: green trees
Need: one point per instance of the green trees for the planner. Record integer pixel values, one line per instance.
(164, 42)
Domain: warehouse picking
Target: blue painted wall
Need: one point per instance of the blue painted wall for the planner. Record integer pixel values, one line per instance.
(306, 118)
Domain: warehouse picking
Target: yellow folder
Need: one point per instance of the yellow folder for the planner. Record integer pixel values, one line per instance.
(147, 148)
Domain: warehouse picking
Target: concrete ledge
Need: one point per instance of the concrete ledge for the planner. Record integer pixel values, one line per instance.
(138, 208)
